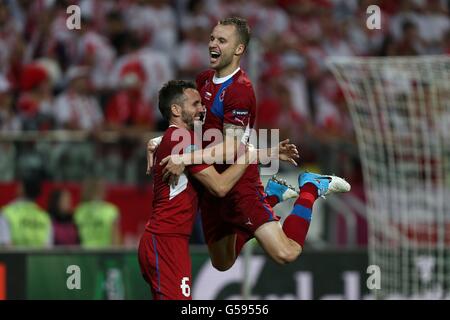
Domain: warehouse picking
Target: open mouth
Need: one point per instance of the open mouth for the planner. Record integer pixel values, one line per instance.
(214, 55)
(200, 117)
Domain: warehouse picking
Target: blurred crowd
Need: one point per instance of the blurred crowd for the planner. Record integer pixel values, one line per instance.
(106, 75)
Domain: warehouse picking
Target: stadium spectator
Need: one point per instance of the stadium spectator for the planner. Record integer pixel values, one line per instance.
(95, 52)
(61, 212)
(333, 128)
(410, 44)
(117, 32)
(9, 123)
(23, 223)
(9, 120)
(36, 98)
(128, 109)
(75, 108)
(157, 68)
(97, 220)
(191, 55)
(154, 22)
(11, 43)
(446, 44)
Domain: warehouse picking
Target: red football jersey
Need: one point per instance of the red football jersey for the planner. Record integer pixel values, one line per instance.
(174, 209)
(228, 100)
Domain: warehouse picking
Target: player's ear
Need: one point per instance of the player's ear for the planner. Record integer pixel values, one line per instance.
(239, 49)
(176, 110)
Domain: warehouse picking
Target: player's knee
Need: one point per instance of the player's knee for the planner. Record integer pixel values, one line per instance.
(221, 192)
(222, 265)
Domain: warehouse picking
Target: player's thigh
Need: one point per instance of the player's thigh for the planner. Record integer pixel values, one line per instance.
(249, 209)
(222, 252)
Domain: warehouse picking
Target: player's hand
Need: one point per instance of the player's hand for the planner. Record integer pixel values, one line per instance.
(287, 152)
(173, 169)
(151, 148)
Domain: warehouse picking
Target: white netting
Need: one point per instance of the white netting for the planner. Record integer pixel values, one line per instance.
(401, 113)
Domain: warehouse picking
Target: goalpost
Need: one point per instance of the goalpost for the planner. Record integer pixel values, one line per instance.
(400, 108)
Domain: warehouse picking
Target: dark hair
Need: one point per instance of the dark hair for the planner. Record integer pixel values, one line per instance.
(170, 93)
(53, 202)
(408, 25)
(242, 28)
(31, 184)
(57, 213)
(114, 16)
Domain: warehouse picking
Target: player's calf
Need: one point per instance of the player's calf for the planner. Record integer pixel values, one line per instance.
(312, 186)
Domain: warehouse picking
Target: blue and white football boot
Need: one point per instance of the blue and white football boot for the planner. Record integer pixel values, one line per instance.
(279, 188)
(325, 184)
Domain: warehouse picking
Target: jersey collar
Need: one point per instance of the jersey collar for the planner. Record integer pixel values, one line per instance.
(223, 79)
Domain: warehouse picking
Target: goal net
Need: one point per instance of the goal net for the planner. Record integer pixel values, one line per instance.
(400, 108)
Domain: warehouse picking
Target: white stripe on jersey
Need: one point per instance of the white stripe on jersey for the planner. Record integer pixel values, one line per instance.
(179, 188)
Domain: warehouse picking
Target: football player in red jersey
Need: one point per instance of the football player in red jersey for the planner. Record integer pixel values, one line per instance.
(164, 247)
(246, 211)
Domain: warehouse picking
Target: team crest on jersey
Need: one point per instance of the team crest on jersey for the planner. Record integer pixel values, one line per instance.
(222, 96)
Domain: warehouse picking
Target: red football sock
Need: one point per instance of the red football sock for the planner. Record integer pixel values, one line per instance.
(296, 225)
(308, 195)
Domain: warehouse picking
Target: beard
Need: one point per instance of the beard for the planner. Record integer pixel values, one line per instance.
(225, 60)
(188, 119)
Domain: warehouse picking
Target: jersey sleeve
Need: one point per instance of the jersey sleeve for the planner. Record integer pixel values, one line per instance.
(239, 102)
(202, 78)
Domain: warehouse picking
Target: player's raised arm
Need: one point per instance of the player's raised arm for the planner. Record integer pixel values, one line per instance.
(220, 184)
